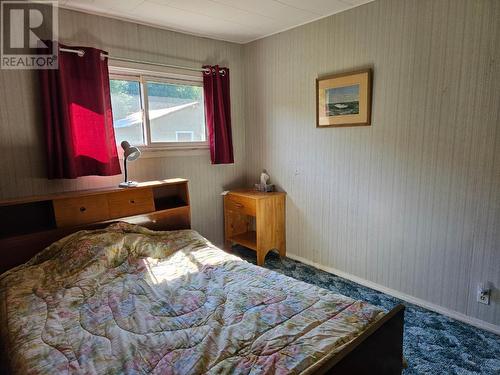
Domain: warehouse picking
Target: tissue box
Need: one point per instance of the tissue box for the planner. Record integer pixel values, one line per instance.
(264, 188)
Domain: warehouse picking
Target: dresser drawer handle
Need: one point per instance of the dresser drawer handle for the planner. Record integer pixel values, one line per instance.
(132, 201)
(239, 205)
(83, 209)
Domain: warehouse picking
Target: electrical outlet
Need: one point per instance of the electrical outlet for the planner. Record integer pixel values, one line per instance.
(483, 294)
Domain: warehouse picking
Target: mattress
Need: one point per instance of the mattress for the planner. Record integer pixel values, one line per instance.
(128, 300)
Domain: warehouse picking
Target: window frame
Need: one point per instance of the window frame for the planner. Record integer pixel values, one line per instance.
(143, 77)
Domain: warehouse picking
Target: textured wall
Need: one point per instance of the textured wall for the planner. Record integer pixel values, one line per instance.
(412, 202)
(22, 167)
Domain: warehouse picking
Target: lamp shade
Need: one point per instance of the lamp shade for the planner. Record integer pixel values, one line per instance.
(130, 153)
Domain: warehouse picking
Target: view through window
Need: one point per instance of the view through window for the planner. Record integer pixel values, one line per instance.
(175, 111)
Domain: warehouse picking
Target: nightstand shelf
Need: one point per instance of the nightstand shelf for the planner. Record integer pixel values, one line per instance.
(247, 239)
(255, 220)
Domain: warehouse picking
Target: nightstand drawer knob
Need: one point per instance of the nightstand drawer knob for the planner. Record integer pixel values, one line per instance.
(83, 209)
(132, 201)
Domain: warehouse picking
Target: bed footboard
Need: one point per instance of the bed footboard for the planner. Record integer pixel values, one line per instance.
(378, 350)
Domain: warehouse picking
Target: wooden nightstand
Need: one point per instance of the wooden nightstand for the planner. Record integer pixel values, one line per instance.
(268, 209)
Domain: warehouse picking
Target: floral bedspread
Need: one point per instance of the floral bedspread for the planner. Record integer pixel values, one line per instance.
(127, 300)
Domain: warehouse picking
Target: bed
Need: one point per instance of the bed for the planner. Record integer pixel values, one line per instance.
(129, 300)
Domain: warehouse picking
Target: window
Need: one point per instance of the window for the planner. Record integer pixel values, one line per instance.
(126, 103)
(158, 111)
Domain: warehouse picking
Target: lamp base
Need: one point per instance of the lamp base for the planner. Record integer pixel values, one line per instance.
(128, 184)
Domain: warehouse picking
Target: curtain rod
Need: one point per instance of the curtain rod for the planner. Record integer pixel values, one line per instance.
(81, 52)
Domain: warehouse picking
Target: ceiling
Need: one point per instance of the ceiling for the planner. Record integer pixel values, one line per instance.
(239, 21)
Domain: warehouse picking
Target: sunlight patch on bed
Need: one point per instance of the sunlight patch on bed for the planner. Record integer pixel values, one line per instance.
(161, 270)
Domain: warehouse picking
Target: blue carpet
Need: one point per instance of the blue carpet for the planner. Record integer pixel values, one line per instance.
(433, 343)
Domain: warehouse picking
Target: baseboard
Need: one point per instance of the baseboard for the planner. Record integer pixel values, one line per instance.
(405, 297)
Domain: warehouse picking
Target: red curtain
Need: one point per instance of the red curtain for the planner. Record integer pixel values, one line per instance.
(79, 132)
(218, 114)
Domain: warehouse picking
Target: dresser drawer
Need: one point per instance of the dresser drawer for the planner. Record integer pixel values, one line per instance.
(130, 202)
(80, 210)
(240, 204)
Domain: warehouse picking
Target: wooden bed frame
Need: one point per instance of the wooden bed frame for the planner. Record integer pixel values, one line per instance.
(378, 350)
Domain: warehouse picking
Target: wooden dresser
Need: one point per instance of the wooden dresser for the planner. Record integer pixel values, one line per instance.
(255, 220)
(28, 225)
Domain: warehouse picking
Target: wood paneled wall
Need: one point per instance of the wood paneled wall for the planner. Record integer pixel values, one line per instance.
(22, 161)
(411, 203)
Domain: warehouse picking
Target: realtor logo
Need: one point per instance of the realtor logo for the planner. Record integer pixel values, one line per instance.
(27, 31)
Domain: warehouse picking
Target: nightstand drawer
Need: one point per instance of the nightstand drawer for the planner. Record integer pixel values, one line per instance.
(80, 210)
(240, 204)
(130, 202)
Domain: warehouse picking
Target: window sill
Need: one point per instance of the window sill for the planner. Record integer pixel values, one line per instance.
(161, 152)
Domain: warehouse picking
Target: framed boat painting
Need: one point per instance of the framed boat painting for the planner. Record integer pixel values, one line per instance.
(344, 99)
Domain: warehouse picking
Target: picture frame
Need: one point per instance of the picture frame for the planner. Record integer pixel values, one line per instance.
(344, 99)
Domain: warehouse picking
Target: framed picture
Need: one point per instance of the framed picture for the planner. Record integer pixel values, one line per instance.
(344, 99)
